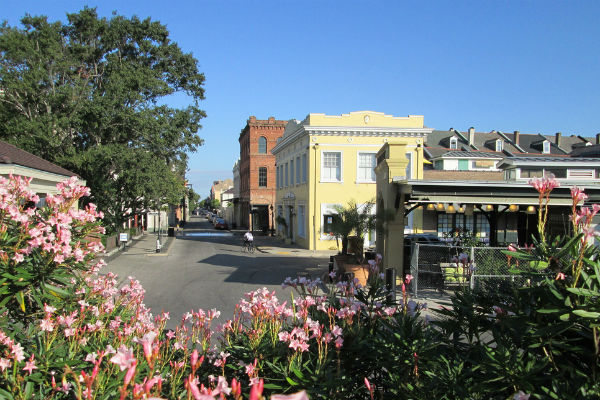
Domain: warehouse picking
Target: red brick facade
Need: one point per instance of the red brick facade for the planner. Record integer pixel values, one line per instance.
(255, 155)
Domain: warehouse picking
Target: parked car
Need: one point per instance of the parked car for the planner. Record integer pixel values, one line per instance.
(221, 224)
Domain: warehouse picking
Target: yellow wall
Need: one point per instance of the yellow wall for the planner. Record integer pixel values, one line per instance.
(316, 193)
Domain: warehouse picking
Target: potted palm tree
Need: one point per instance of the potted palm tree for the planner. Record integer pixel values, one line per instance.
(350, 225)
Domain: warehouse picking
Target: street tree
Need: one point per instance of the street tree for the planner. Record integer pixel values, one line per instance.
(92, 96)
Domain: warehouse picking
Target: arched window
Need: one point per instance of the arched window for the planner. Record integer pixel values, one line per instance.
(262, 145)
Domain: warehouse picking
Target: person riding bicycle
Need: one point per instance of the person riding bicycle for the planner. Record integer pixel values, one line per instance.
(249, 239)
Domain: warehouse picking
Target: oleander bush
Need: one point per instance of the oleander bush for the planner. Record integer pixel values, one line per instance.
(69, 332)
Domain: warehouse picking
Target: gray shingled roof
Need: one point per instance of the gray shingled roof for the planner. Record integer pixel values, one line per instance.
(10, 154)
(573, 160)
(528, 143)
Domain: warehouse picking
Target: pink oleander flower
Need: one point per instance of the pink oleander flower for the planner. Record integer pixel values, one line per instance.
(17, 352)
(578, 195)
(18, 257)
(588, 233)
(408, 278)
(520, 395)
(369, 388)
(296, 396)
(257, 389)
(511, 247)
(46, 325)
(49, 309)
(130, 373)
(124, 358)
(30, 365)
(560, 276)
(146, 341)
(544, 185)
(4, 364)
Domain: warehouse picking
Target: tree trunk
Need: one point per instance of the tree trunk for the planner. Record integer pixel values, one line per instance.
(345, 245)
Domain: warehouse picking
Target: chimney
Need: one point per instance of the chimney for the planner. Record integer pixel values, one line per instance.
(516, 138)
(557, 139)
(471, 135)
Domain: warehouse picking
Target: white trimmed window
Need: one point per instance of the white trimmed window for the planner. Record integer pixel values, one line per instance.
(366, 167)
(298, 170)
(409, 166)
(331, 166)
(499, 144)
(546, 147)
(262, 145)
(453, 143)
(304, 167)
(292, 172)
(286, 174)
(301, 221)
(262, 176)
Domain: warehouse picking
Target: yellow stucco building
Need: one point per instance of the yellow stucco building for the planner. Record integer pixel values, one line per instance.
(328, 160)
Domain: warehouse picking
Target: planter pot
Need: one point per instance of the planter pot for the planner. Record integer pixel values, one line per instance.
(346, 264)
(360, 271)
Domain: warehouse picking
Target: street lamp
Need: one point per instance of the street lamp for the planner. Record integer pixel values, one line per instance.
(272, 220)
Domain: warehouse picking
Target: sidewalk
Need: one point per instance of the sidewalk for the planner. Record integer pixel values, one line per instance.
(274, 245)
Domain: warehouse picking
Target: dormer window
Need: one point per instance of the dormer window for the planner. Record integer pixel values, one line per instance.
(499, 145)
(546, 147)
(453, 143)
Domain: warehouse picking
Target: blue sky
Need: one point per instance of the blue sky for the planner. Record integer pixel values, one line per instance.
(531, 66)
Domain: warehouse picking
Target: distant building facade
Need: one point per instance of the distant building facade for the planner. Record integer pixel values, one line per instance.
(219, 187)
(257, 172)
(325, 161)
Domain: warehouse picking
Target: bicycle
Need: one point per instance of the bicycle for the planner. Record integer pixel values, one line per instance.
(248, 247)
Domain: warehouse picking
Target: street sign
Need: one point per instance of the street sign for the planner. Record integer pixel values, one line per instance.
(122, 237)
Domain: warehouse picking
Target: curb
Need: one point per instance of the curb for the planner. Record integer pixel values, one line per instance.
(119, 249)
(166, 253)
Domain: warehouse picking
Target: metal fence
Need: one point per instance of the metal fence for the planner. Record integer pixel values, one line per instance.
(441, 268)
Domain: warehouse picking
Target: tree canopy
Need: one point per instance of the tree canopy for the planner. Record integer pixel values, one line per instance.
(91, 96)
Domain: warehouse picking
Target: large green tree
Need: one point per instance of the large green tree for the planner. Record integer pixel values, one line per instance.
(91, 95)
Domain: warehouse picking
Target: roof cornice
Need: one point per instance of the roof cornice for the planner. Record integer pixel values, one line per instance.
(371, 131)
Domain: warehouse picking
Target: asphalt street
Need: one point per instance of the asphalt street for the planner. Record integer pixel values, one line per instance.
(204, 268)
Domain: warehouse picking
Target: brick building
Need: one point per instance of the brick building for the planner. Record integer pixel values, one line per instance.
(257, 172)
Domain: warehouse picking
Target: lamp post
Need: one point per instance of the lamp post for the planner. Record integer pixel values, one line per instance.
(272, 220)
(316, 146)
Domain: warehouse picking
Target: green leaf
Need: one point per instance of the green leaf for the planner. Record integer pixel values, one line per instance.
(21, 299)
(548, 310)
(565, 317)
(539, 265)
(55, 290)
(583, 292)
(290, 381)
(29, 390)
(587, 314)
(298, 373)
(5, 394)
(272, 386)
